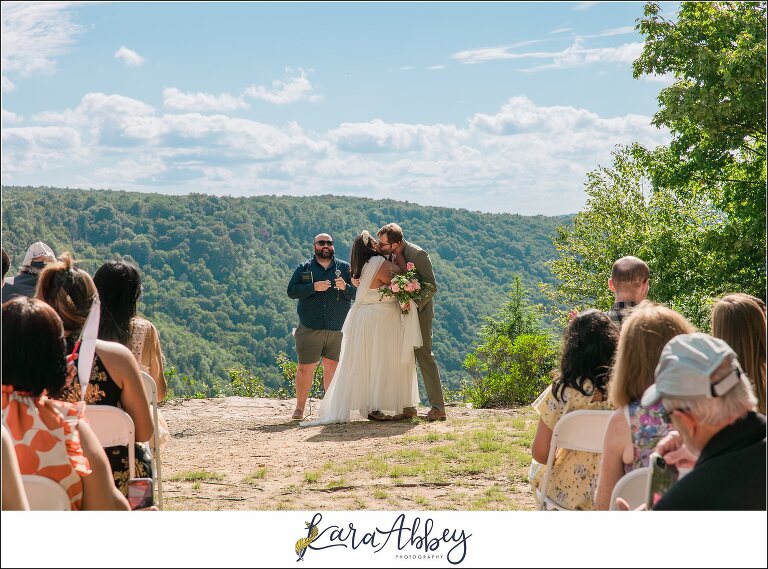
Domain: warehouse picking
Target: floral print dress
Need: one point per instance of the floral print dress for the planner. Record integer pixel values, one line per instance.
(102, 390)
(648, 427)
(573, 481)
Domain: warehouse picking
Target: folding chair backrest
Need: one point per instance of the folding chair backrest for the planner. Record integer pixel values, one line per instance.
(151, 388)
(44, 494)
(578, 430)
(113, 427)
(631, 487)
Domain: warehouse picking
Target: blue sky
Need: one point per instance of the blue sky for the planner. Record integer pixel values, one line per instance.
(500, 107)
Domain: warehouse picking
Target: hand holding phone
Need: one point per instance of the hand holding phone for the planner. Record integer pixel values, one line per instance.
(140, 493)
(660, 479)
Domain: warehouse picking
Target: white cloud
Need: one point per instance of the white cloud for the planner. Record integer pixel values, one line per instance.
(295, 87)
(576, 55)
(33, 35)
(175, 100)
(525, 158)
(582, 6)
(436, 67)
(129, 57)
(560, 30)
(9, 117)
(573, 56)
(613, 32)
(38, 148)
(7, 85)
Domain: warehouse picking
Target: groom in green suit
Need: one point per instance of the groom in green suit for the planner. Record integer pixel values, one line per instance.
(401, 252)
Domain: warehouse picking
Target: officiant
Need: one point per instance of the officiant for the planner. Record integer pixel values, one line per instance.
(322, 285)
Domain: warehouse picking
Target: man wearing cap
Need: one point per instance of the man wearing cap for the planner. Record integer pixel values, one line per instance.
(712, 407)
(322, 286)
(23, 284)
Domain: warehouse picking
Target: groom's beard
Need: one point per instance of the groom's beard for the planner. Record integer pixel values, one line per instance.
(324, 253)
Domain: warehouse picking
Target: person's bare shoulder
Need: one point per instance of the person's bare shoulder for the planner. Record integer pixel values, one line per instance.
(113, 353)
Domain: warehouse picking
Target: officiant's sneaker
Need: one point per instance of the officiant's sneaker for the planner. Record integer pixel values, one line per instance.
(435, 414)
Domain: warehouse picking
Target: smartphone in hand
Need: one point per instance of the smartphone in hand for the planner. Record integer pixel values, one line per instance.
(140, 493)
(661, 479)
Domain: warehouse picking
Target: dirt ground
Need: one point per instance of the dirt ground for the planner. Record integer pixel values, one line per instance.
(234, 437)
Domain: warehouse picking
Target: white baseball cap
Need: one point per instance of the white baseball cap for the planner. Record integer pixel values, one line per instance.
(38, 249)
(685, 367)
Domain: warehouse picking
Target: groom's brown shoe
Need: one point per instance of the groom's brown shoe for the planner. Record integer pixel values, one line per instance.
(435, 414)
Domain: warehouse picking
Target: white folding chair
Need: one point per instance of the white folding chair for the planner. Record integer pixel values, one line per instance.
(577, 430)
(114, 427)
(44, 494)
(631, 487)
(157, 476)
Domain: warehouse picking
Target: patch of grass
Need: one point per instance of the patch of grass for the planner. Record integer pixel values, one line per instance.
(336, 483)
(380, 494)
(421, 500)
(311, 476)
(196, 476)
(196, 486)
(258, 474)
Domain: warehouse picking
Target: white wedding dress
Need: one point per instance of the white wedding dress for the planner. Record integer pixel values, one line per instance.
(377, 366)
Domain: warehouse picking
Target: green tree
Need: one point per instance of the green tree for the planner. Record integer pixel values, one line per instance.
(693, 210)
(512, 362)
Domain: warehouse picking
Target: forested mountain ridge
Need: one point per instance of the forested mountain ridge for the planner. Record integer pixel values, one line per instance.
(216, 269)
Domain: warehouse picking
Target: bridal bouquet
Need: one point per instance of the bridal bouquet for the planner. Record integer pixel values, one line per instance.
(406, 288)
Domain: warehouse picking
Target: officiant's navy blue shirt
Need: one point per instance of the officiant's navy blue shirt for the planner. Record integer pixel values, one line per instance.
(321, 310)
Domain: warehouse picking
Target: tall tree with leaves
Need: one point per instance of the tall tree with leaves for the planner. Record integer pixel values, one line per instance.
(715, 111)
(693, 210)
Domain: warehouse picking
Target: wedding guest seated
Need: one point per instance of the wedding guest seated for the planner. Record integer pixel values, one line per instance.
(589, 343)
(38, 255)
(6, 265)
(739, 319)
(50, 438)
(115, 377)
(633, 431)
(701, 384)
(119, 287)
(14, 496)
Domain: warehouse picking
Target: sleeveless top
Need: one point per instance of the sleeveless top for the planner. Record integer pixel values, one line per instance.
(102, 390)
(46, 440)
(647, 427)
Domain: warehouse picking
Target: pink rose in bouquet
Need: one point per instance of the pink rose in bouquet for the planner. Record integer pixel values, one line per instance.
(405, 288)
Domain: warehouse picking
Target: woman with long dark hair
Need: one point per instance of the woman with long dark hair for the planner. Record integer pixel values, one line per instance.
(119, 286)
(115, 377)
(589, 343)
(376, 375)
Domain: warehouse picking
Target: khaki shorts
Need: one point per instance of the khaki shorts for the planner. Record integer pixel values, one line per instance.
(312, 344)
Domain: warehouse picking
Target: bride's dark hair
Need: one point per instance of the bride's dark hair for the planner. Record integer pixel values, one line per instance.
(362, 251)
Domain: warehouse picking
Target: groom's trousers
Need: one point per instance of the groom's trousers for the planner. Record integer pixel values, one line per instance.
(426, 360)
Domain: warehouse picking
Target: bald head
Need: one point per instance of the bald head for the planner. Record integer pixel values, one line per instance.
(629, 279)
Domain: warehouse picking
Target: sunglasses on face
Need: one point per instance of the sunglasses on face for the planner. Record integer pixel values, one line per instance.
(324, 243)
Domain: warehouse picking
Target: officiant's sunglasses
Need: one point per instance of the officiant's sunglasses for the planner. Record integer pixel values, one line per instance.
(324, 243)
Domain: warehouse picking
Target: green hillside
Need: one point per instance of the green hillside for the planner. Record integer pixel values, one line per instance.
(216, 268)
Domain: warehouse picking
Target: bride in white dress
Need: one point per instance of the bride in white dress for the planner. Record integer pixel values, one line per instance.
(377, 366)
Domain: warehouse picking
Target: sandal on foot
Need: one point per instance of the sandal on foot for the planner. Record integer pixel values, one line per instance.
(298, 414)
(378, 416)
